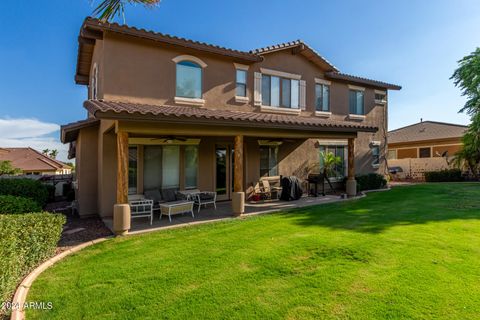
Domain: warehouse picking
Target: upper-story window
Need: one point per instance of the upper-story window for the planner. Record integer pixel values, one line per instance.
(356, 100)
(375, 148)
(241, 90)
(189, 80)
(322, 97)
(280, 92)
(94, 88)
(380, 97)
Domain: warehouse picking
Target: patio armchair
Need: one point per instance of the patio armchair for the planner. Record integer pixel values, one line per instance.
(261, 192)
(154, 194)
(141, 208)
(199, 197)
(267, 188)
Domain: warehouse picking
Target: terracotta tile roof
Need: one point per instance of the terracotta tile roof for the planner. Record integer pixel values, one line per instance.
(69, 132)
(426, 130)
(110, 109)
(295, 44)
(28, 159)
(360, 80)
(93, 29)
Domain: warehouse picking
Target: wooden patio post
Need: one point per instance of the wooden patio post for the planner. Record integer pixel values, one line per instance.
(351, 182)
(238, 168)
(121, 210)
(238, 197)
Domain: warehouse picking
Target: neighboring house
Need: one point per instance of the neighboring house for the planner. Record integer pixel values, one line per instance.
(31, 161)
(170, 113)
(424, 146)
(426, 139)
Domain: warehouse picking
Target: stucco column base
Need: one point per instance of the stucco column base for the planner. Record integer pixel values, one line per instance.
(121, 219)
(351, 187)
(238, 203)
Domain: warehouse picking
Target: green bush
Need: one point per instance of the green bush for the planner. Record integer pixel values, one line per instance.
(371, 181)
(447, 175)
(26, 188)
(13, 204)
(25, 241)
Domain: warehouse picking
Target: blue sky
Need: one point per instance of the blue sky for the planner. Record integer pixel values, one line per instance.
(412, 43)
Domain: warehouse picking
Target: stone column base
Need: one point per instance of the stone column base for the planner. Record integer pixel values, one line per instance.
(351, 187)
(121, 219)
(238, 203)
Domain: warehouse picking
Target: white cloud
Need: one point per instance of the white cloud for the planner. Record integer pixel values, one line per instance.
(31, 133)
(25, 128)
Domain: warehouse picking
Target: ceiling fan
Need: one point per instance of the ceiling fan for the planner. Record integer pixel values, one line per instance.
(170, 139)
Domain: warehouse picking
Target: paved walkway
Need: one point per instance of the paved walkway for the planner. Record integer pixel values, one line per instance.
(223, 211)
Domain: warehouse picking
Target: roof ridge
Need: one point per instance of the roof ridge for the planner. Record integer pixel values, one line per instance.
(44, 156)
(350, 77)
(428, 121)
(166, 35)
(291, 44)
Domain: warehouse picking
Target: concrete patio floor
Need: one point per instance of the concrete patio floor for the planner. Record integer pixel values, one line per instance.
(223, 211)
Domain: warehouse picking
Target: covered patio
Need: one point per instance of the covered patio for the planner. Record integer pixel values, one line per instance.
(223, 212)
(237, 136)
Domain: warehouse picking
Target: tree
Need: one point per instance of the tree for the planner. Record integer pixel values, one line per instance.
(6, 168)
(467, 78)
(329, 161)
(108, 9)
(469, 156)
(46, 151)
(53, 154)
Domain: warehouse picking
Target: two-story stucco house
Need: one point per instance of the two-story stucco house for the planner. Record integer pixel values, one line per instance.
(167, 112)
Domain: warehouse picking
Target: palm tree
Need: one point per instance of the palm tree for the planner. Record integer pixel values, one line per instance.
(329, 162)
(53, 154)
(45, 151)
(108, 9)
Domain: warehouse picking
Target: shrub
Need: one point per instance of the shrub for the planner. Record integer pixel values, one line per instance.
(25, 241)
(447, 175)
(371, 181)
(13, 204)
(26, 188)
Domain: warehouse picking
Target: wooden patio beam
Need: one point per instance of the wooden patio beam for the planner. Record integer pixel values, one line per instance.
(122, 167)
(238, 167)
(351, 158)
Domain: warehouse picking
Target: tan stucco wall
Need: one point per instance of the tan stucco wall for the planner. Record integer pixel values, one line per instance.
(142, 71)
(107, 163)
(438, 147)
(86, 171)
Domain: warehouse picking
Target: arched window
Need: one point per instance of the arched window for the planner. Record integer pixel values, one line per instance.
(189, 80)
(94, 88)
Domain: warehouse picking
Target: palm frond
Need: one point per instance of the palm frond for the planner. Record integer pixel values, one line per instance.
(108, 9)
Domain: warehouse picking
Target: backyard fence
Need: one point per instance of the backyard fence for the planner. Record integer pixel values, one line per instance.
(415, 168)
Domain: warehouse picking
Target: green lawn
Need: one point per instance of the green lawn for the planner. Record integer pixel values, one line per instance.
(410, 253)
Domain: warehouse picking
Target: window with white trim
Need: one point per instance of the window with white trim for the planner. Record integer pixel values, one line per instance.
(268, 161)
(375, 155)
(241, 90)
(322, 97)
(94, 88)
(339, 151)
(380, 97)
(280, 92)
(189, 80)
(356, 102)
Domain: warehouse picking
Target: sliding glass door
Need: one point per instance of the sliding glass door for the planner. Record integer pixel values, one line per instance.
(170, 167)
(224, 171)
